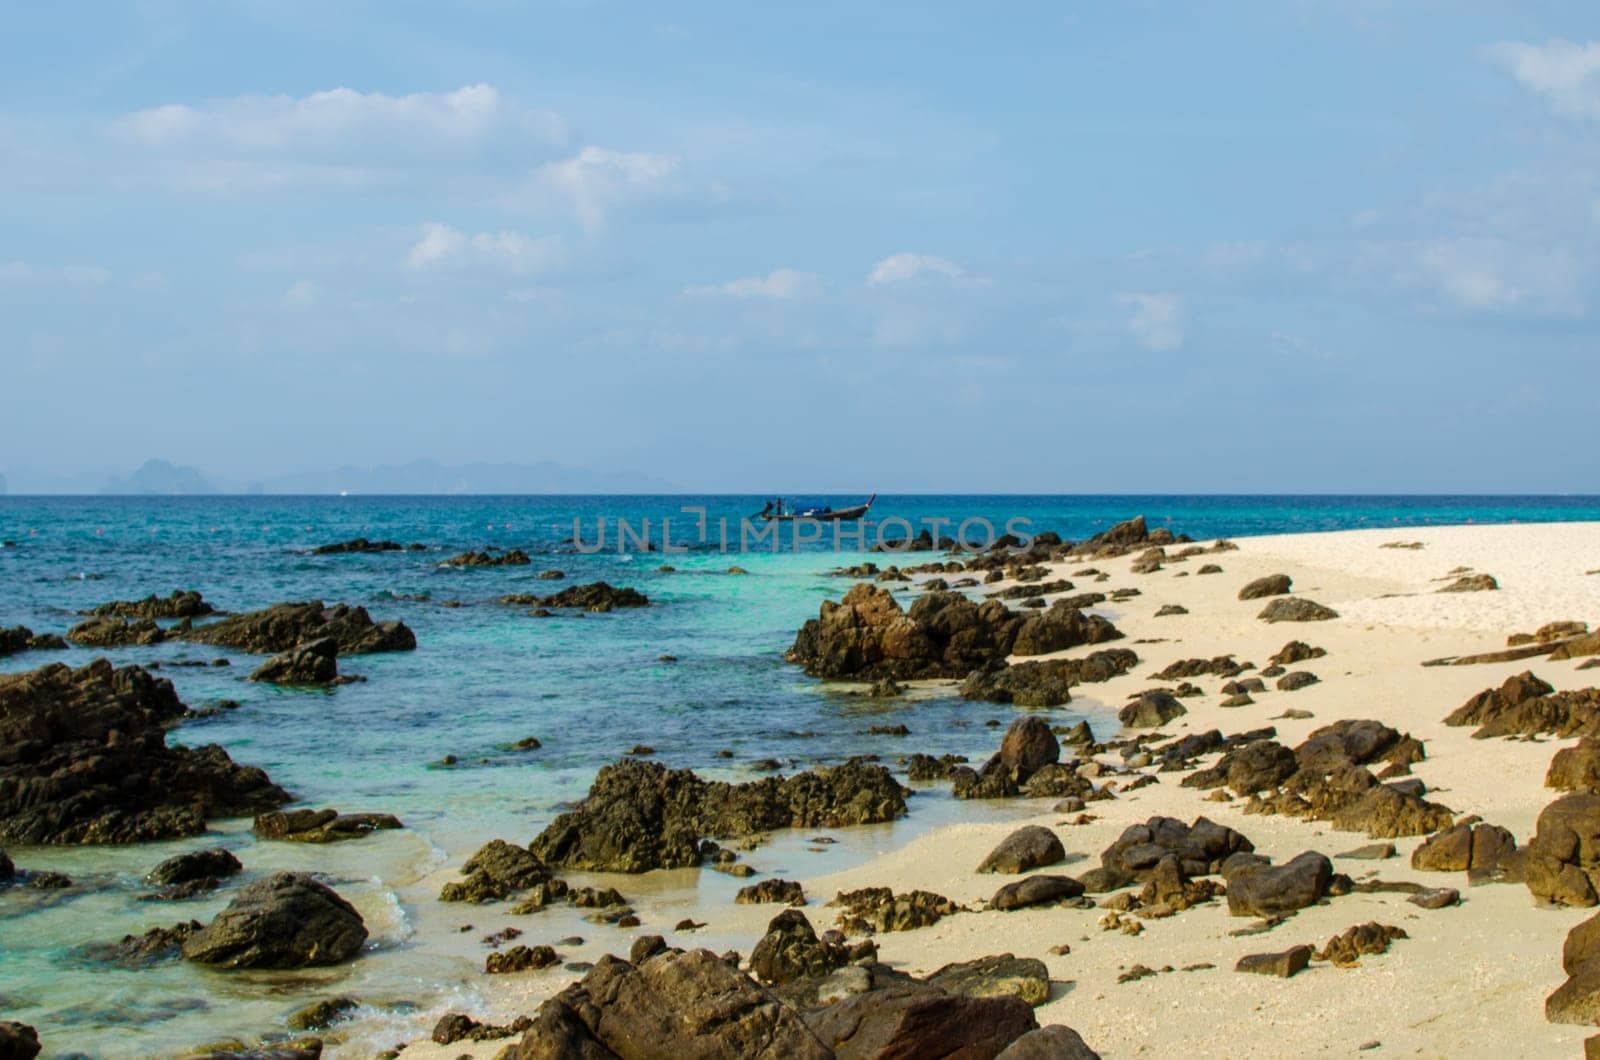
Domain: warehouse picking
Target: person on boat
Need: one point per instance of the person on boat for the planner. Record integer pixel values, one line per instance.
(768, 509)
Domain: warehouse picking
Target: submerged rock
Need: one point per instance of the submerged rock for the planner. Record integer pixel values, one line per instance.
(21, 638)
(596, 596)
(282, 627)
(140, 951)
(84, 759)
(313, 663)
(288, 920)
(514, 558)
(640, 815)
(321, 826)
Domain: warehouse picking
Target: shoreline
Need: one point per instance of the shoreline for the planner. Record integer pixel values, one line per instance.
(1421, 997)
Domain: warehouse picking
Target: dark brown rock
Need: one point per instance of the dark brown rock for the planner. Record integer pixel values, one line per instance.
(1267, 890)
(288, 920)
(1271, 585)
(183, 603)
(1359, 941)
(1035, 890)
(788, 892)
(1151, 710)
(1296, 609)
(1563, 859)
(1283, 965)
(282, 627)
(914, 1020)
(1030, 847)
(84, 759)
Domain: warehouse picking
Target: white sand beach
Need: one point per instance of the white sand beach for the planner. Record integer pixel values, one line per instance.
(1469, 980)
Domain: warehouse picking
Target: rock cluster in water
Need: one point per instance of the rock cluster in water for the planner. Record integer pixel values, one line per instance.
(282, 627)
(867, 635)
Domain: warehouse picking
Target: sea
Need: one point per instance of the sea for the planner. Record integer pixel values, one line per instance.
(428, 736)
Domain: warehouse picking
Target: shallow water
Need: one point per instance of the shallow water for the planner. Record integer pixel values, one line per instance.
(485, 675)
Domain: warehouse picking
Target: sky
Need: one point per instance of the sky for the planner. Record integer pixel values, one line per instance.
(1283, 246)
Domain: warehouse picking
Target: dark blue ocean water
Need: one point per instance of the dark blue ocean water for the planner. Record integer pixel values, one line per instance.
(589, 686)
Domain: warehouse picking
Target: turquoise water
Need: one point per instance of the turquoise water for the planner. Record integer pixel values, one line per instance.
(485, 675)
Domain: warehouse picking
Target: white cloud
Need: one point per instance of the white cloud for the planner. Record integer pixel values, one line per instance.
(332, 120)
(441, 246)
(595, 181)
(779, 284)
(1488, 274)
(897, 268)
(300, 294)
(1565, 74)
(72, 275)
(1157, 320)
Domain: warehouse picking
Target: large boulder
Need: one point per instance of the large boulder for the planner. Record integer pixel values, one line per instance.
(1054, 1042)
(1261, 890)
(313, 663)
(1271, 585)
(1151, 710)
(917, 1020)
(284, 626)
(640, 815)
(1464, 847)
(1578, 999)
(18, 1041)
(288, 920)
(1030, 847)
(1576, 768)
(1035, 890)
(1563, 860)
(84, 759)
(790, 950)
(1296, 609)
(497, 871)
(690, 1004)
(1260, 765)
(1003, 975)
(1201, 849)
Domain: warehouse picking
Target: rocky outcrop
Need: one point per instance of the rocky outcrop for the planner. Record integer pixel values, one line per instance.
(1257, 889)
(361, 544)
(284, 626)
(790, 951)
(1003, 975)
(788, 892)
(485, 558)
(314, 663)
(596, 596)
(1219, 666)
(1471, 583)
(496, 872)
(321, 826)
(18, 1041)
(197, 873)
(1030, 847)
(1578, 999)
(1201, 849)
(183, 603)
(21, 638)
(1028, 763)
(1296, 609)
(1576, 768)
(1044, 683)
(1260, 765)
(1524, 705)
(877, 909)
(84, 759)
(918, 1020)
(640, 815)
(690, 1004)
(1563, 859)
(1295, 651)
(1151, 710)
(1368, 939)
(1463, 847)
(1041, 889)
(287, 920)
(115, 633)
(866, 635)
(1271, 585)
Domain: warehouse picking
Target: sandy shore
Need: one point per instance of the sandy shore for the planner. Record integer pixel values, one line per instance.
(1469, 981)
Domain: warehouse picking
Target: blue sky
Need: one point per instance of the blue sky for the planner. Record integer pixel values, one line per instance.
(1287, 246)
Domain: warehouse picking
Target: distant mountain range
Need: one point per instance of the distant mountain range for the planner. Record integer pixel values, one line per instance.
(166, 479)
